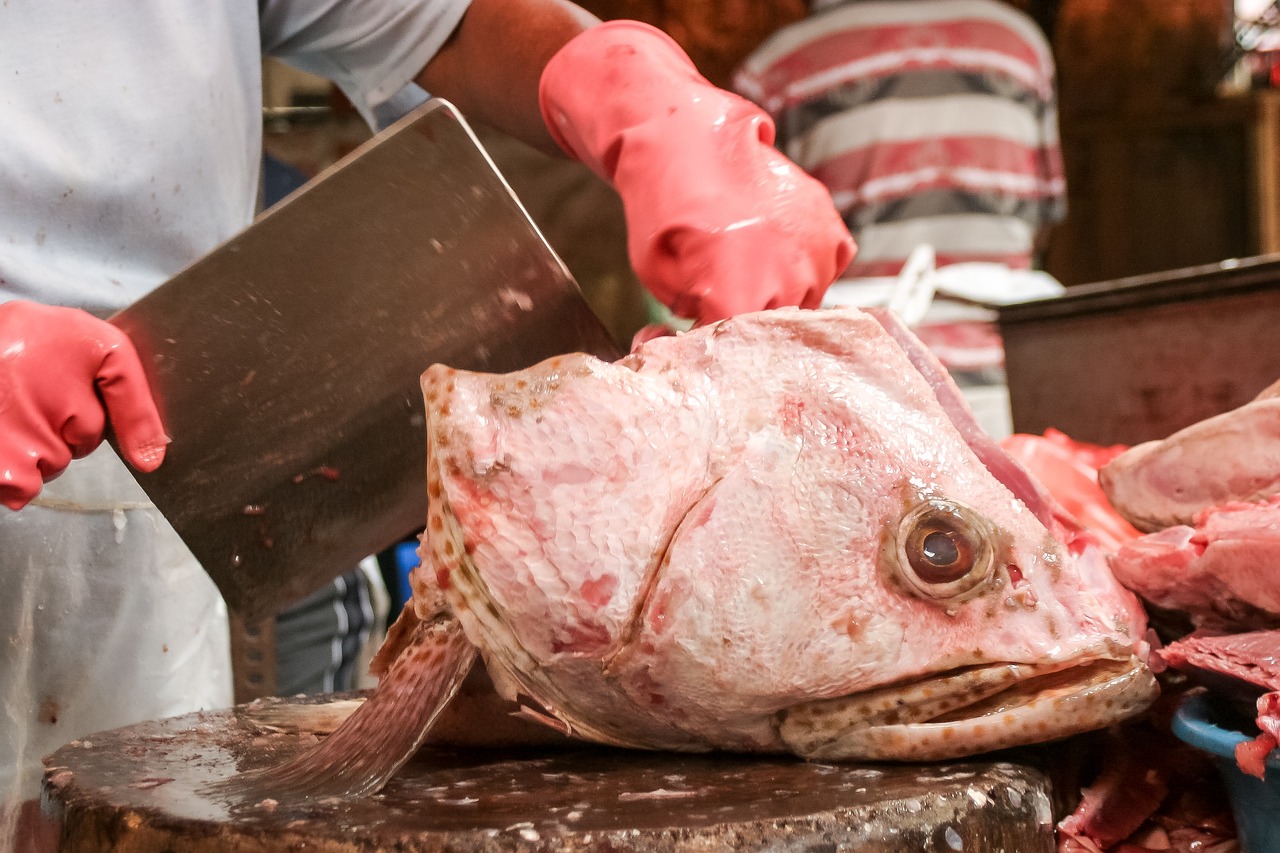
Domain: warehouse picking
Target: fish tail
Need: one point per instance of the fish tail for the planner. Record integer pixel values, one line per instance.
(363, 753)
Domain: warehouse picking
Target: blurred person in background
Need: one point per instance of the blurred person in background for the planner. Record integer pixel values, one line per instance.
(933, 123)
(131, 146)
(930, 121)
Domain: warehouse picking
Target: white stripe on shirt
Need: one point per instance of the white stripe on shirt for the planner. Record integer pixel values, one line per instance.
(951, 234)
(885, 63)
(915, 119)
(894, 13)
(902, 183)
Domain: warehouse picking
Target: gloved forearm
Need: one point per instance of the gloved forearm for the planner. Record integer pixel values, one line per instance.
(63, 373)
(719, 222)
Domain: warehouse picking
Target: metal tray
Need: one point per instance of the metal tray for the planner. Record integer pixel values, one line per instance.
(1138, 358)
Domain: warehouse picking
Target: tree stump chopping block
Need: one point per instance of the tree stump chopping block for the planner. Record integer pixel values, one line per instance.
(143, 789)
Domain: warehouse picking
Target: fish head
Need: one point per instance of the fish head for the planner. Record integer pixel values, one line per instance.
(763, 535)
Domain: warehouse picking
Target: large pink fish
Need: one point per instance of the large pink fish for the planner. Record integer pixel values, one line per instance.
(767, 535)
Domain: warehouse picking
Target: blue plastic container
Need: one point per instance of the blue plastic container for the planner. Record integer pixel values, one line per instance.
(406, 562)
(1254, 802)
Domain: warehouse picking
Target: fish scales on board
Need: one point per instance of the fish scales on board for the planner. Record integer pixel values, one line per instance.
(767, 535)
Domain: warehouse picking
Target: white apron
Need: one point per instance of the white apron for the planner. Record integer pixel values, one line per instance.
(105, 619)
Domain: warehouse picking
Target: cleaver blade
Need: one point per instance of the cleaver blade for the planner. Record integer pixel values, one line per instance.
(286, 362)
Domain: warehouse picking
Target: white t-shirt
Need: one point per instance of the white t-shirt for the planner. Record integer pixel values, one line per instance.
(130, 143)
(130, 131)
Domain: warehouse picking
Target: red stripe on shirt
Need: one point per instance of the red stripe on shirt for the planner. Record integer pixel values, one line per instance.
(852, 170)
(844, 47)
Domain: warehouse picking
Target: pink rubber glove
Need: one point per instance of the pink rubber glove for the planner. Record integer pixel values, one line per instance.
(719, 222)
(62, 373)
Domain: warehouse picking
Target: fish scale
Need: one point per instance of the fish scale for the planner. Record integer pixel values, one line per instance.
(767, 595)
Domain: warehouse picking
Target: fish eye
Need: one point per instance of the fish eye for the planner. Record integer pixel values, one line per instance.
(944, 550)
(940, 552)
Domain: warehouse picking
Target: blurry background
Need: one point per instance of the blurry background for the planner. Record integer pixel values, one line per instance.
(1170, 132)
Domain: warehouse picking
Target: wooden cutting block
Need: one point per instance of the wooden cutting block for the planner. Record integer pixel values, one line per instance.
(141, 789)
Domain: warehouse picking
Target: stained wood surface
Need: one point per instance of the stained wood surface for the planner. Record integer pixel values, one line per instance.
(142, 788)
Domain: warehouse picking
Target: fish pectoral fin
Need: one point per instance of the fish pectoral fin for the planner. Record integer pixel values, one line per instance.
(542, 718)
(362, 754)
(294, 719)
(400, 636)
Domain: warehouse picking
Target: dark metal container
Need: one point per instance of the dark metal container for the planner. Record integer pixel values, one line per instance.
(1138, 358)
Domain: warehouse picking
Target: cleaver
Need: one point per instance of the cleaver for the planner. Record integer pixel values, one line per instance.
(286, 362)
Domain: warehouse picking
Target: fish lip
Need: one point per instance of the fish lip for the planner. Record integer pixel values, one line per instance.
(1071, 697)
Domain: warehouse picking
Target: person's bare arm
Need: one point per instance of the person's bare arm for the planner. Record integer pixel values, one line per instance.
(491, 65)
(719, 222)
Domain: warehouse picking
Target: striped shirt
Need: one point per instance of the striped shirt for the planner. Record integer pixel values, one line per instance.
(931, 121)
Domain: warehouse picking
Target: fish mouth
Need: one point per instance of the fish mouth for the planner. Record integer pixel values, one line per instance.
(971, 710)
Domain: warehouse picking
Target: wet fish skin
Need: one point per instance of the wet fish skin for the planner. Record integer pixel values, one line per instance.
(669, 551)
(729, 540)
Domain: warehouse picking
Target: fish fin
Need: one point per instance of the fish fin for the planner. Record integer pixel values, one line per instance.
(544, 719)
(399, 637)
(271, 716)
(362, 754)
(479, 717)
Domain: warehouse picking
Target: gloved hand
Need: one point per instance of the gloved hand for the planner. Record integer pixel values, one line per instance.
(62, 373)
(719, 222)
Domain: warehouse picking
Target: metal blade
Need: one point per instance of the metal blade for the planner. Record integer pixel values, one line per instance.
(286, 362)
